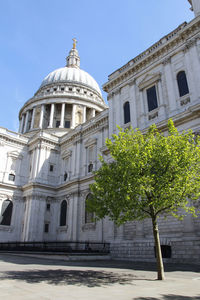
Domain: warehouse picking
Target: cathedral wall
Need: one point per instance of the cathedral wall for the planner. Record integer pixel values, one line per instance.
(130, 104)
(162, 75)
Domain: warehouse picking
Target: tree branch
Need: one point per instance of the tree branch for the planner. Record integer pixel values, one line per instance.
(163, 209)
(146, 211)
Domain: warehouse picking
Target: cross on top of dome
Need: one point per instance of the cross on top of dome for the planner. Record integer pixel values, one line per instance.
(73, 59)
(74, 43)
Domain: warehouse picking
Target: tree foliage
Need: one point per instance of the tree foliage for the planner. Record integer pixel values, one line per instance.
(151, 170)
(149, 174)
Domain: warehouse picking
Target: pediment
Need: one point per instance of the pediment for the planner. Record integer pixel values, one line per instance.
(66, 154)
(149, 79)
(90, 142)
(15, 154)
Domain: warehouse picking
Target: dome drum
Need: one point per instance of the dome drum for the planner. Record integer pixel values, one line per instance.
(55, 115)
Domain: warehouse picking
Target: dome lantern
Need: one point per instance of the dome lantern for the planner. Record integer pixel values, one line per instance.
(73, 59)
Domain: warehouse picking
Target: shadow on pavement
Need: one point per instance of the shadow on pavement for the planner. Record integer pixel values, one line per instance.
(169, 297)
(117, 264)
(87, 278)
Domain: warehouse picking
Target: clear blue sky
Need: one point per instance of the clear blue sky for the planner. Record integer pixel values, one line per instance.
(36, 36)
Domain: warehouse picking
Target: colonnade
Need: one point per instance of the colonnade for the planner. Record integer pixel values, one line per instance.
(28, 118)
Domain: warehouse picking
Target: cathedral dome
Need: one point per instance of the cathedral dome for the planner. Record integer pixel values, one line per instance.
(66, 98)
(71, 75)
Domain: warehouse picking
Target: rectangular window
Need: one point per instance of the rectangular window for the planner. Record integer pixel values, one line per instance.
(67, 124)
(48, 206)
(46, 227)
(11, 177)
(57, 124)
(152, 98)
(51, 168)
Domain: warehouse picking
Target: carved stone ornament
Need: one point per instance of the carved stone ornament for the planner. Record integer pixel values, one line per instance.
(132, 81)
(185, 101)
(66, 154)
(117, 91)
(153, 115)
(166, 61)
(189, 44)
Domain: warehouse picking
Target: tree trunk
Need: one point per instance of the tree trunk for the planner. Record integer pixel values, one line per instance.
(160, 267)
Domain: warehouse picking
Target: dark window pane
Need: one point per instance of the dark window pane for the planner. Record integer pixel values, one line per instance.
(51, 168)
(6, 213)
(127, 116)
(63, 213)
(48, 206)
(182, 84)
(57, 124)
(65, 176)
(46, 227)
(90, 168)
(152, 98)
(11, 177)
(67, 124)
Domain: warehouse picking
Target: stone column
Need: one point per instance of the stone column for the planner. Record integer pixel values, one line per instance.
(51, 115)
(118, 108)
(33, 118)
(84, 114)
(73, 115)
(26, 121)
(75, 217)
(110, 111)
(162, 105)
(189, 73)
(142, 121)
(21, 124)
(41, 116)
(195, 68)
(62, 118)
(133, 107)
(93, 113)
(170, 84)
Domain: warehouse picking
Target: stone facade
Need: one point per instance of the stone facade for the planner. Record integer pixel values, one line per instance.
(46, 168)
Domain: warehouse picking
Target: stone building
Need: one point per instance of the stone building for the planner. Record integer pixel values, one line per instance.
(46, 168)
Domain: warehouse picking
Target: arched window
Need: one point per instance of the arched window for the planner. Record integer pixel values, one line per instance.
(127, 116)
(182, 83)
(65, 176)
(89, 216)
(90, 168)
(63, 213)
(6, 212)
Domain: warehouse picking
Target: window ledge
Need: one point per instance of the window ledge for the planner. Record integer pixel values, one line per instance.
(62, 228)
(127, 125)
(6, 228)
(89, 226)
(153, 114)
(184, 100)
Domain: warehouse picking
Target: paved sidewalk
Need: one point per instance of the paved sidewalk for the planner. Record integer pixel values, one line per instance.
(25, 278)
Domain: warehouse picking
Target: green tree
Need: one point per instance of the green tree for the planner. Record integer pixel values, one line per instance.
(150, 174)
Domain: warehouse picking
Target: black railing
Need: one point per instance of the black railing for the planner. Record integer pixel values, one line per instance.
(58, 246)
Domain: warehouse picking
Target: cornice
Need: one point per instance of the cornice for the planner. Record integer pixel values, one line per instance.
(8, 136)
(156, 52)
